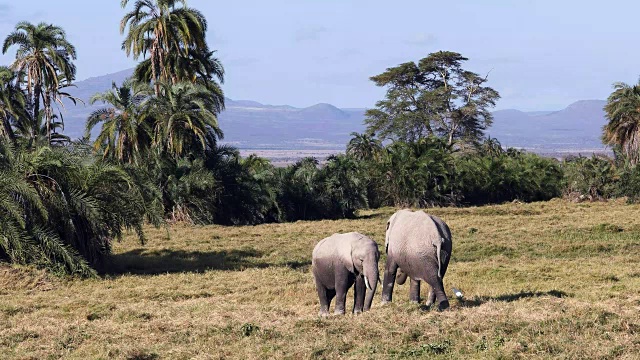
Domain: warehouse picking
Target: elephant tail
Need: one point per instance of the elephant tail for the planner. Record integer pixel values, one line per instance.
(437, 242)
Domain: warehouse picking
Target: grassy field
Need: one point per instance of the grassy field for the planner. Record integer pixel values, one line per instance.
(543, 280)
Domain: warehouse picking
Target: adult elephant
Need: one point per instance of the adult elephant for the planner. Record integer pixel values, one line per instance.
(419, 245)
(338, 262)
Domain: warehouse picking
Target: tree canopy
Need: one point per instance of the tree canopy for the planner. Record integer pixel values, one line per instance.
(435, 96)
(44, 66)
(623, 128)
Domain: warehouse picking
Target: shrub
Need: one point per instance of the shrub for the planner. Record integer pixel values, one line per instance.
(61, 210)
(485, 179)
(629, 184)
(592, 178)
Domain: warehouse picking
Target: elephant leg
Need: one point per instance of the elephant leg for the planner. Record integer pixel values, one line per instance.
(344, 280)
(414, 291)
(359, 291)
(438, 289)
(325, 300)
(431, 298)
(341, 299)
(331, 293)
(390, 270)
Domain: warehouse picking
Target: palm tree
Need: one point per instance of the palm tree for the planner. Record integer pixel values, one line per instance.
(124, 136)
(55, 95)
(43, 62)
(198, 66)
(160, 27)
(12, 104)
(189, 190)
(57, 211)
(418, 173)
(364, 147)
(491, 147)
(184, 116)
(623, 112)
(344, 186)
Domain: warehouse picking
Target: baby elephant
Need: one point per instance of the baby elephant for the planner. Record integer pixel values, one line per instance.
(339, 261)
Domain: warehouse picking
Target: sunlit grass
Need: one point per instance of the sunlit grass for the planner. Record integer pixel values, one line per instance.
(547, 280)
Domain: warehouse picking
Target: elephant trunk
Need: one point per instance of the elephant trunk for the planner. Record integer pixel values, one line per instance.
(371, 282)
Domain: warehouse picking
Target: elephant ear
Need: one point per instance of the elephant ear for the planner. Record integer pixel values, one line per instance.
(386, 237)
(345, 252)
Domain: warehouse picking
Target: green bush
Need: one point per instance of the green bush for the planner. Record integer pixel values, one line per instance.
(416, 174)
(629, 184)
(486, 179)
(590, 178)
(61, 209)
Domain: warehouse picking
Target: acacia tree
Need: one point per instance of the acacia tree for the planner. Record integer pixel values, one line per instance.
(437, 97)
(623, 128)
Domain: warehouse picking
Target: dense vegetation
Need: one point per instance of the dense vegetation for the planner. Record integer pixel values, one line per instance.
(156, 155)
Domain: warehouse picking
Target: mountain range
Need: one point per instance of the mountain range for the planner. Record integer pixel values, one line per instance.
(252, 125)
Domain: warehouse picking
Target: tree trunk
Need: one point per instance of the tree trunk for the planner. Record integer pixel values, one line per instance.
(36, 110)
(8, 130)
(47, 114)
(154, 69)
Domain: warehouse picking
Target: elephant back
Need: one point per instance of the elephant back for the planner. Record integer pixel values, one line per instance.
(411, 233)
(336, 247)
(444, 231)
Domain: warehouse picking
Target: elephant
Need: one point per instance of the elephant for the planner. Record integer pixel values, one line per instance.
(418, 246)
(338, 262)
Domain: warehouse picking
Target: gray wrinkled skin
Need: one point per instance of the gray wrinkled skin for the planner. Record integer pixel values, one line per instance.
(338, 262)
(418, 246)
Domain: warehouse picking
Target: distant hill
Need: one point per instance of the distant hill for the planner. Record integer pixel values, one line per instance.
(246, 124)
(577, 128)
(252, 125)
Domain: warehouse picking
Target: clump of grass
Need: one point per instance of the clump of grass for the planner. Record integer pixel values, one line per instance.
(13, 339)
(423, 350)
(142, 355)
(248, 329)
(607, 228)
(100, 311)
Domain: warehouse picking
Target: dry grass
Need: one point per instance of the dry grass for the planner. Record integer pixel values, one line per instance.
(544, 280)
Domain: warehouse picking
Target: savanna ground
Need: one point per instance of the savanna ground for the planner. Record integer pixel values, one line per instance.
(547, 280)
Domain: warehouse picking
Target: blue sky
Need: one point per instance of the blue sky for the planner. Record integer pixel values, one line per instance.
(541, 55)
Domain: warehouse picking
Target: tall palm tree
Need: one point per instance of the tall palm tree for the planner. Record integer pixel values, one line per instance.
(198, 66)
(184, 116)
(160, 27)
(12, 104)
(124, 135)
(43, 61)
(623, 128)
